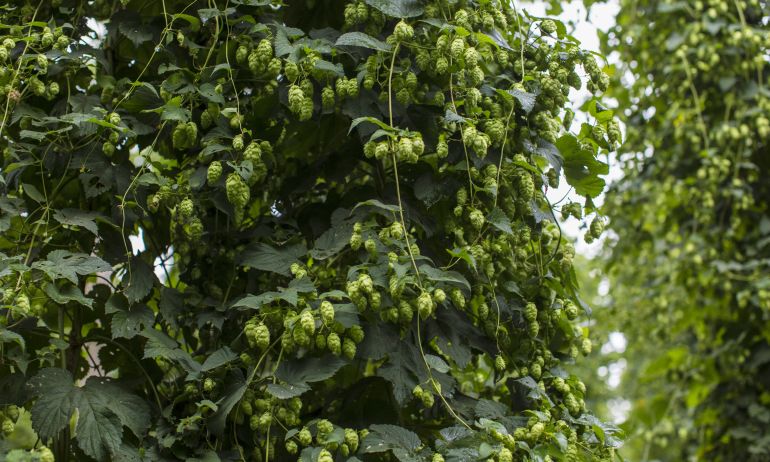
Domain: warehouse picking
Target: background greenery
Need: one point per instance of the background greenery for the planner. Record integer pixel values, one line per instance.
(687, 264)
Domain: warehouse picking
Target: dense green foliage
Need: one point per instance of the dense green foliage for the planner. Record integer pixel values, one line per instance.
(244, 231)
(689, 277)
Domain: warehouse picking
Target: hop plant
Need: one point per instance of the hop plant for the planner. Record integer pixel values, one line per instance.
(235, 235)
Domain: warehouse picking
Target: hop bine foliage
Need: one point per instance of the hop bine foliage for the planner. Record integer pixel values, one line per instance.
(689, 269)
(311, 231)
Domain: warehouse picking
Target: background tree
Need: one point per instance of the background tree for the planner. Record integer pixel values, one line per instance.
(689, 272)
(249, 230)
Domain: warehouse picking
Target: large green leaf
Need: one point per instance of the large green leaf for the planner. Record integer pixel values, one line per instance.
(62, 264)
(66, 294)
(138, 280)
(359, 39)
(289, 294)
(75, 217)
(308, 370)
(398, 8)
(403, 443)
(266, 258)
(581, 167)
(103, 409)
(236, 387)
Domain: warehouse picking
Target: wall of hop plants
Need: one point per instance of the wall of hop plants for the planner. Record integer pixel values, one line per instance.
(689, 271)
(317, 231)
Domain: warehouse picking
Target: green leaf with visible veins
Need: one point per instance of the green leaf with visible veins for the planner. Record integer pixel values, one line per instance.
(61, 264)
(359, 39)
(581, 167)
(75, 217)
(398, 8)
(266, 258)
(103, 409)
(403, 443)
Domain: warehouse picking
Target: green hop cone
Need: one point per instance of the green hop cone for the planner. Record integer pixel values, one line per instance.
(427, 399)
(327, 98)
(381, 151)
(500, 363)
(238, 142)
(442, 65)
(7, 427)
(439, 296)
(324, 427)
(296, 98)
(425, 305)
(46, 455)
(334, 343)
(530, 312)
(253, 153)
(241, 54)
(456, 48)
(548, 26)
(476, 217)
(351, 439)
(442, 149)
(327, 312)
(108, 149)
(22, 303)
(307, 322)
(471, 57)
(325, 456)
(113, 118)
(238, 194)
(586, 346)
(349, 348)
(214, 172)
(596, 228)
(186, 208)
(304, 437)
(262, 336)
(356, 240)
(403, 31)
(405, 312)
